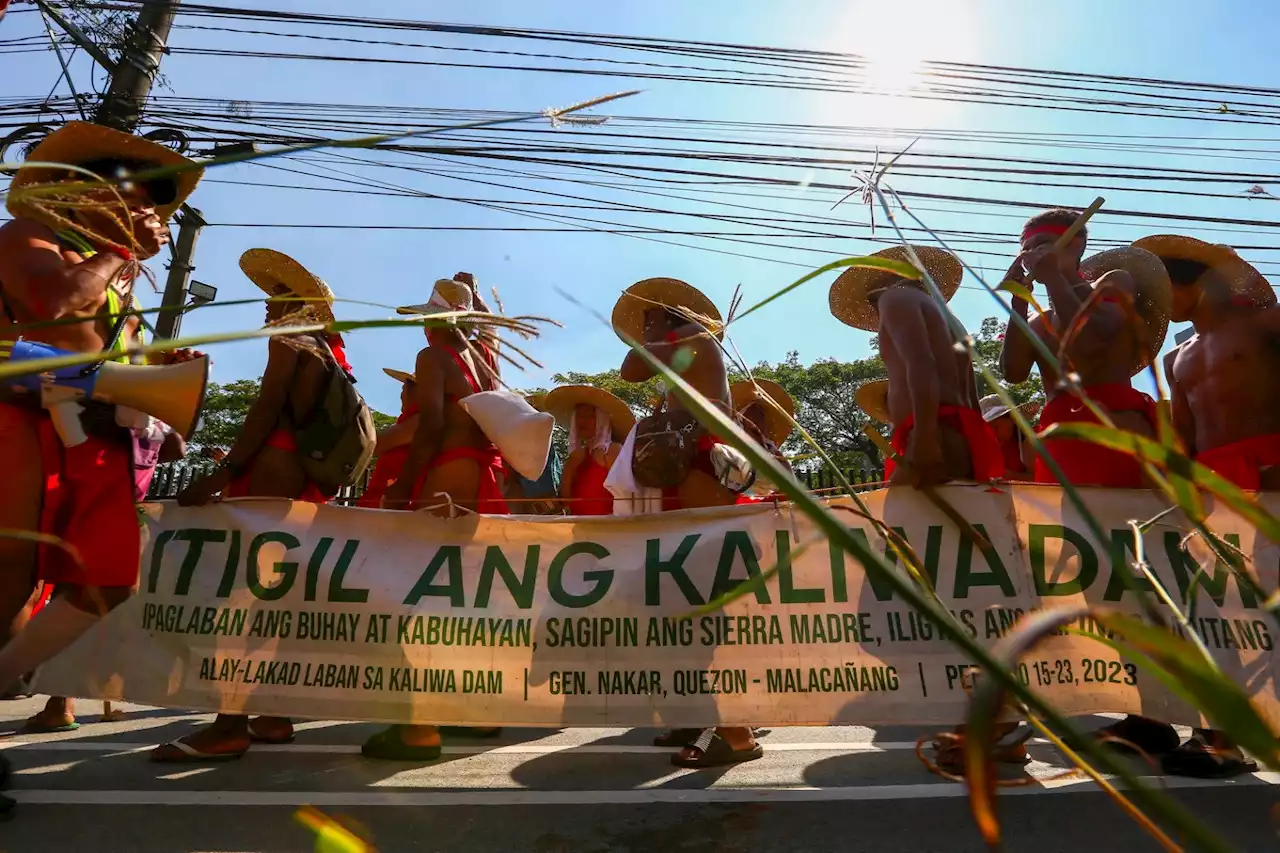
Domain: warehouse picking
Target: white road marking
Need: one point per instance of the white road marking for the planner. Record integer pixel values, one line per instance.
(347, 799)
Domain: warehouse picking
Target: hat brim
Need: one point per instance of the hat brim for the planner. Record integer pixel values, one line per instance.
(269, 269)
(671, 293)
(849, 300)
(79, 142)
(873, 398)
(399, 375)
(779, 426)
(561, 402)
(454, 292)
(1153, 300)
(1241, 276)
(1029, 410)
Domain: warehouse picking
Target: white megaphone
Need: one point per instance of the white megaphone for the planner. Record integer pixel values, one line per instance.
(171, 393)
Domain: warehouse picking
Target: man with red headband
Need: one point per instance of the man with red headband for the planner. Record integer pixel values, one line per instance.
(1112, 314)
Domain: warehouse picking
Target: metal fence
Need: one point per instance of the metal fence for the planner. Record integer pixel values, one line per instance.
(173, 477)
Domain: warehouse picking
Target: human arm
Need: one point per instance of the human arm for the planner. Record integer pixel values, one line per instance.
(611, 456)
(173, 448)
(569, 473)
(1017, 355)
(636, 369)
(429, 391)
(485, 335)
(397, 435)
(904, 323)
(38, 278)
(1106, 318)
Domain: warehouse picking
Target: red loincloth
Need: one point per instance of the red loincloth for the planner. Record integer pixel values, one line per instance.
(386, 469)
(589, 496)
(284, 440)
(1086, 464)
(87, 502)
(489, 499)
(1241, 461)
(984, 448)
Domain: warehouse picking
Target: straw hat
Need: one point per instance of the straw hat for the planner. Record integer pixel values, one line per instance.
(448, 295)
(1154, 299)
(270, 269)
(79, 142)
(873, 398)
(848, 297)
(993, 408)
(538, 401)
(561, 402)
(744, 393)
(683, 298)
(1242, 277)
(399, 375)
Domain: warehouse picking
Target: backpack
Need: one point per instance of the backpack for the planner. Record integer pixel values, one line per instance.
(336, 444)
(666, 443)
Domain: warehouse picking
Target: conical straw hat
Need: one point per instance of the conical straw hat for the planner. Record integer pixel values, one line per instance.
(746, 392)
(270, 269)
(848, 298)
(399, 375)
(683, 298)
(993, 407)
(1154, 297)
(561, 402)
(79, 142)
(448, 295)
(873, 398)
(1240, 275)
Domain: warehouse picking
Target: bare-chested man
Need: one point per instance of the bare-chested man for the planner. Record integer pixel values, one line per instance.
(1108, 347)
(1225, 383)
(938, 432)
(264, 460)
(451, 462)
(671, 318)
(62, 260)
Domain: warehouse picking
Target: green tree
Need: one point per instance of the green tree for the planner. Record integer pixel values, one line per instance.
(988, 342)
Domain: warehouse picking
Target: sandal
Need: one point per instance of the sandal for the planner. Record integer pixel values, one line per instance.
(1202, 760)
(181, 752)
(267, 737)
(679, 738)
(33, 728)
(715, 751)
(387, 746)
(949, 751)
(1135, 735)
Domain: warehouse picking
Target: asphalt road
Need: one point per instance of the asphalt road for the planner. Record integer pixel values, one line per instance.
(547, 791)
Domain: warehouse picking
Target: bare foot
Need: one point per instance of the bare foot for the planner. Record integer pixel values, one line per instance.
(57, 716)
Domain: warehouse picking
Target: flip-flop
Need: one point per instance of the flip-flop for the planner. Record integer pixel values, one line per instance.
(1199, 760)
(268, 739)
(715, 751)
(677, 737)
(1136, 735)
(471, 731)
(37, 729)
(387, 746)
(188, 754)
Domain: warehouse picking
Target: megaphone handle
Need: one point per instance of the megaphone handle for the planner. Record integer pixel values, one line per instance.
(66, 422)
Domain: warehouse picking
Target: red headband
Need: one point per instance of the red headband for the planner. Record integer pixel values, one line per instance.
(1049, 228)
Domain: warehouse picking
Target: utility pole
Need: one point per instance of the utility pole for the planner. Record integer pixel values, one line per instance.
(139, 63)
(169, 320)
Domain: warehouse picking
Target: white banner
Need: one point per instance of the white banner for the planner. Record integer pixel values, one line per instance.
(296, 610)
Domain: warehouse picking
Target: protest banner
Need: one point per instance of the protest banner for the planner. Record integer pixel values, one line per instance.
(296, 610)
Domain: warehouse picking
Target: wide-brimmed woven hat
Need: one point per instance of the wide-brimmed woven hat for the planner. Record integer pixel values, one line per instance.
(1238, 273)
(672, 293)
(873, 398)
(743, 394)
(79, 142)
(399, 375)
(561, 402)
(848, 298)
(993, 407)
(1154, 297)
(270, 270)
(448, 295)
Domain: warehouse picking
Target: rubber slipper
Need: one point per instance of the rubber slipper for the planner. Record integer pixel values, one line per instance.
(677, 737)
(1201, 761)
(37, 729)
(715, 751)
(1149, 736)
(188, 754)
(471, 731)
(387, 746)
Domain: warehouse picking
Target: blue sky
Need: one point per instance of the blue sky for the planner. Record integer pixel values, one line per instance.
(1171, 39)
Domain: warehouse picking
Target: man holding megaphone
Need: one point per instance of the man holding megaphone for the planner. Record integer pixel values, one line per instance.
(68, 260)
